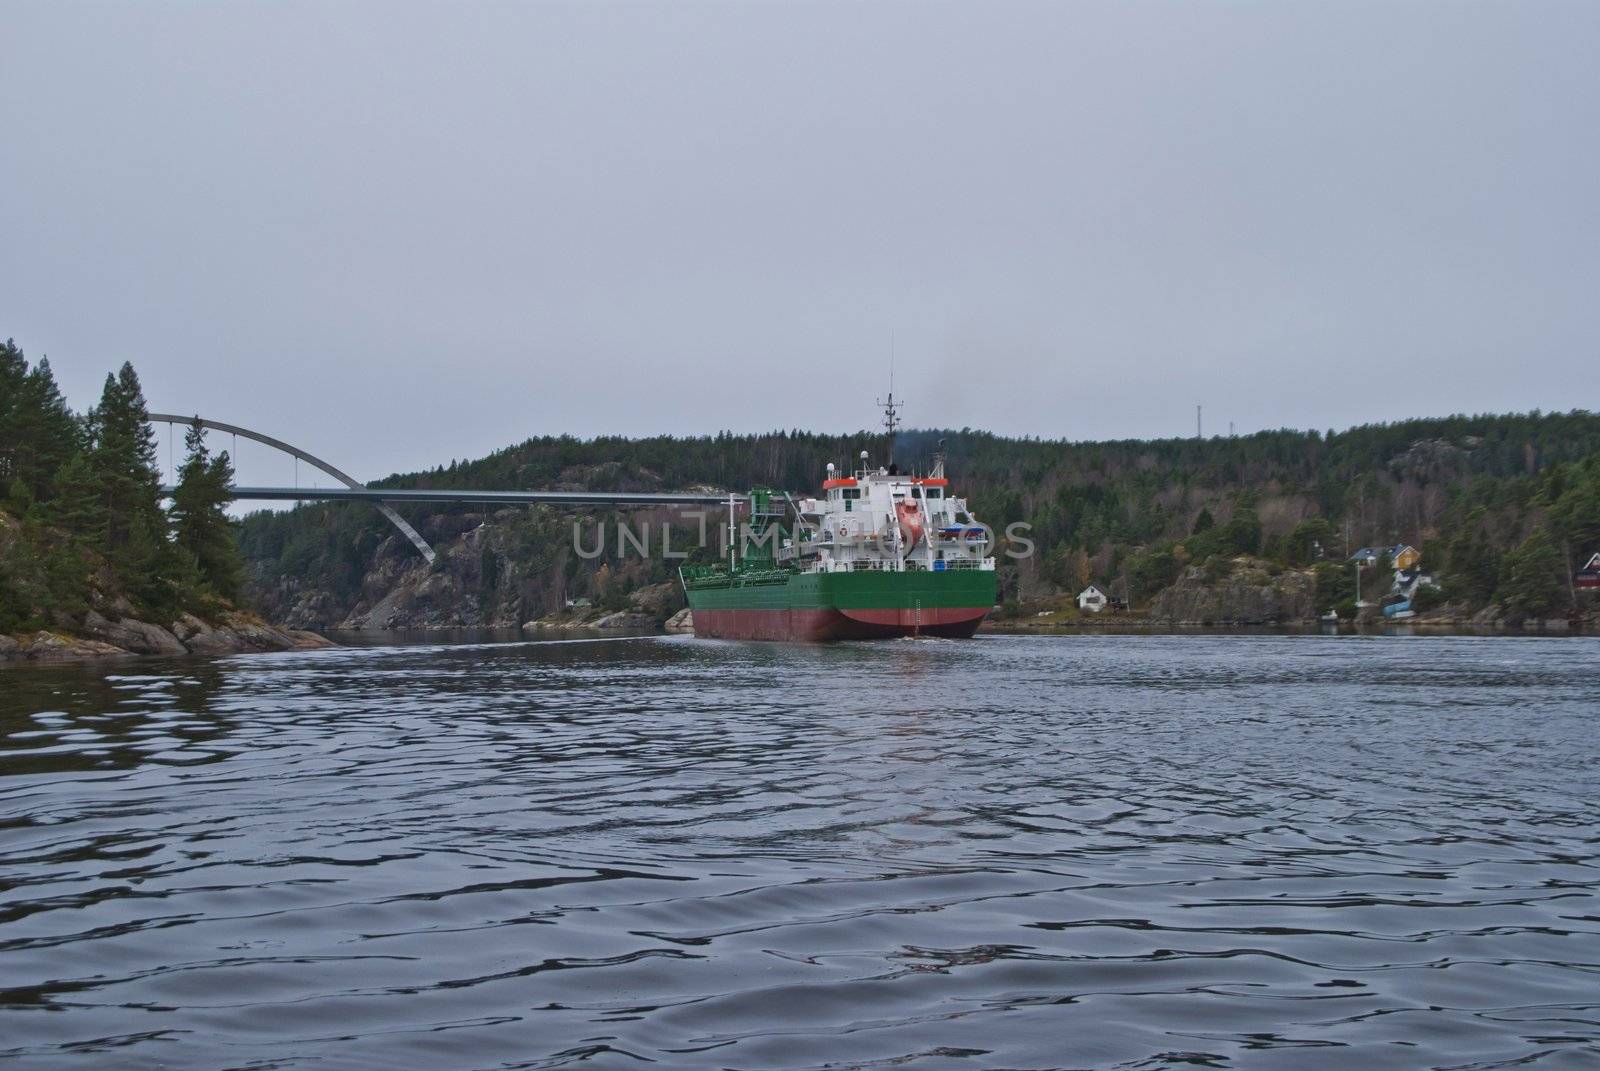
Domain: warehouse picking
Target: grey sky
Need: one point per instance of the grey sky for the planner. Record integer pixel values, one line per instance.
(400, 233)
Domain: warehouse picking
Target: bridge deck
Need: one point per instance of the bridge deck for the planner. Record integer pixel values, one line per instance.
(408, 494)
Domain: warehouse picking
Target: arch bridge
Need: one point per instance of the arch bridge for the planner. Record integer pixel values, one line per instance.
(382, 497)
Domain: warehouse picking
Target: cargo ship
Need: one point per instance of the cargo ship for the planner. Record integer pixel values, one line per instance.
(880, 554)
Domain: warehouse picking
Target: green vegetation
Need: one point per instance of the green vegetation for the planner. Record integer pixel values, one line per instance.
(1130, 516)
(200, 525)
(82, 525)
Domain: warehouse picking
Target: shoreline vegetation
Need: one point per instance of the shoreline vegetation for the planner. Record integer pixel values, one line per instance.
(1250, 531)
(91, 564)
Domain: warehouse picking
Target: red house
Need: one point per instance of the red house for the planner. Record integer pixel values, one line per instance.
(1589, 575)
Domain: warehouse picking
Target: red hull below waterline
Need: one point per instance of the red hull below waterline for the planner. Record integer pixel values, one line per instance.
(827, 624)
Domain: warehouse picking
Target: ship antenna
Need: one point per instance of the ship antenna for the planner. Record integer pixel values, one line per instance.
(891, 411)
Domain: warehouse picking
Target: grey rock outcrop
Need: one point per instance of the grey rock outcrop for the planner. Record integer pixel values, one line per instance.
(234, 633)
(238, 632)
(658, 601)
(682, 621)
(140, 637)
(54, 647)
(626, 619)
(1248, 595)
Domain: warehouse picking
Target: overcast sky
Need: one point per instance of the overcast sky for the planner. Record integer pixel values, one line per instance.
(394, 234)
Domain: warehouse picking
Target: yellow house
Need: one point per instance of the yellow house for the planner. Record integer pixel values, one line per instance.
(1402, 557)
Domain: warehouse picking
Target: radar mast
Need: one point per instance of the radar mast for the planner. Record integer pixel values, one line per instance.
(891, 414)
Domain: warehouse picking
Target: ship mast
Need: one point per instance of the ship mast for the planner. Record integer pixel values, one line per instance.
(891, 415)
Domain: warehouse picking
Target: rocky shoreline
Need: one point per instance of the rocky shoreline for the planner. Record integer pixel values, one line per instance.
(1252, 594)
(604, 621)
(1071, 623)
(102, 637)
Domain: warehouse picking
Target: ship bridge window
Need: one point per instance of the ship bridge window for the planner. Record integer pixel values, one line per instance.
(936, 492)
(852, 492)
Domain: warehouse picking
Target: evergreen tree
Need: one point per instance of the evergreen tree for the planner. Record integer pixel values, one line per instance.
(1472, 567)
(1574, 508)
(1335, 587)
(21, 591)
(201, 525)
(155, 575)
(13, 377)
(53, 433)
(1532, 578)
(78, 508)
(122, 459)
(1310, 541)
(38, 433)
(122, 465)
(1242, 533)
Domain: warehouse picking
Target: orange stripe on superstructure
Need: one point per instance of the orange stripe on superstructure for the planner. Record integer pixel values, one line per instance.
(843, 481)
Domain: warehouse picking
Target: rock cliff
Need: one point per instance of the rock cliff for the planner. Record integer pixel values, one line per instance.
(1239, 592)
(506, 570)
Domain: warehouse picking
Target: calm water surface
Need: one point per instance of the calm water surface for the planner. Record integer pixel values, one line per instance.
(1014, 852)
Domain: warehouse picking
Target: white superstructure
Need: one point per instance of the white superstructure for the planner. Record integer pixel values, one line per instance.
(878, 518)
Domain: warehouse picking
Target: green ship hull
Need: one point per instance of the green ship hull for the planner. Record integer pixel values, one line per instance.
(785, 604)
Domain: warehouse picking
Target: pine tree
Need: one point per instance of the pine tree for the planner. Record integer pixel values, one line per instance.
(122, 458)
(1575, 510)
(122, 462)
(52, 432)
(1242, 533)
(13, 377)
(201, 525)
(21, 592)
(78, 507)
(156, 575)
(1472, 566)
(1532, 578)
(38, 433)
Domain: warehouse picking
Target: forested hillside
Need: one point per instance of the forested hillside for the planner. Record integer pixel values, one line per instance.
(1502, 507)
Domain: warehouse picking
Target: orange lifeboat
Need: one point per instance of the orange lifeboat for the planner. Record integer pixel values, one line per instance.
(910, 519)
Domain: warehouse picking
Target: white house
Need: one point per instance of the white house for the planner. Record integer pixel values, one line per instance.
(1092, 599)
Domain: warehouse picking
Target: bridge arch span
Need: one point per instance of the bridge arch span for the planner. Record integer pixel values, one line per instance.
(310, 459)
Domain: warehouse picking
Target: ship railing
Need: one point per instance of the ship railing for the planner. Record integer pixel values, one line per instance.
(720, 576)
(889, 565)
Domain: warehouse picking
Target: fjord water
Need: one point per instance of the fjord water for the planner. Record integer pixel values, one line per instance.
(1135, 852)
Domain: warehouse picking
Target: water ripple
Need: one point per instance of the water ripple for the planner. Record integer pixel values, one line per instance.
(1144, 852)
